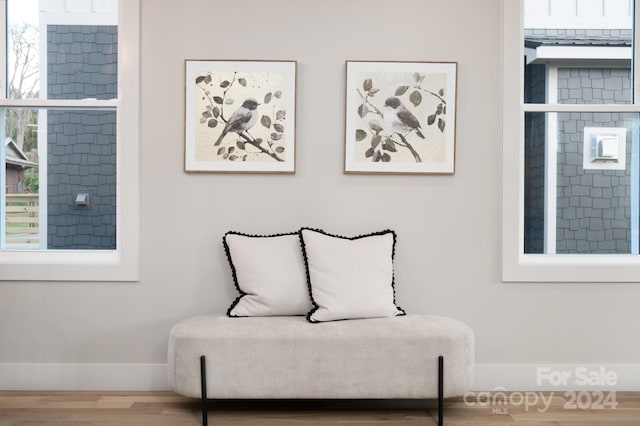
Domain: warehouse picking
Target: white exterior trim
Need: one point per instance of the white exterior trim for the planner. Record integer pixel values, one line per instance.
(578, 14)
(66, 12)
(577, 22)
(554, 53)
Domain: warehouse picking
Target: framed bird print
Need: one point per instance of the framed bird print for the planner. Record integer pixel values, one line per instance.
(400, 117)
(240, 116)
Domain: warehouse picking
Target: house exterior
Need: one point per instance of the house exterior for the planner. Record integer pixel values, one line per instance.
(16, 163)
(80, 145)
(577, 53)
(78, 60)
(77, 148)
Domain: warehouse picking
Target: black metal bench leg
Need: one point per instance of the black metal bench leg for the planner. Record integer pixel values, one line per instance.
(440, 390)
(203, 383)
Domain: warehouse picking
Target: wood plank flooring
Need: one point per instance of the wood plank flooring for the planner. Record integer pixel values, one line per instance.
(167, 408)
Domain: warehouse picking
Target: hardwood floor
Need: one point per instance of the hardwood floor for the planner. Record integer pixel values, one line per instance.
(166, 408)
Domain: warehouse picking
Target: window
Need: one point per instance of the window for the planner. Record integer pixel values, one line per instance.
(69, 115)
(571, 151)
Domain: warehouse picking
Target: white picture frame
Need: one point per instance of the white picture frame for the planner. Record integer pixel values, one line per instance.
(240, 116)
(400, 117)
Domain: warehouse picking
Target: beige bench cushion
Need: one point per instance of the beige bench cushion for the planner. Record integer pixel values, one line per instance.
(287, 357)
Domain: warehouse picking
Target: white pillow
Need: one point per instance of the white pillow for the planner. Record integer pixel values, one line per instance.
(349, 277)
(269, 273)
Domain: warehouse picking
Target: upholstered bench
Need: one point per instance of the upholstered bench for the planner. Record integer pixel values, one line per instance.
(401, 357)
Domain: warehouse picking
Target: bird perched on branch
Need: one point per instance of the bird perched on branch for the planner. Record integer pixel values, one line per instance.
(400, 119)
(241, 120)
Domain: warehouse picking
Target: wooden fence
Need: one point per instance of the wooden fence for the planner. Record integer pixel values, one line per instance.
(22, 219)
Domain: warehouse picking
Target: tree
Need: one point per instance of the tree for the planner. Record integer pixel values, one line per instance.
(23, 82)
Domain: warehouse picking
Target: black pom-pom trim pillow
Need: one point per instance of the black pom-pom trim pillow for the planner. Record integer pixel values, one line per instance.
(269, 273)
(349, 278)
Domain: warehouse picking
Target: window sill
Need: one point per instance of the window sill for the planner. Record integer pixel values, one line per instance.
(66, 265)
(582, 268)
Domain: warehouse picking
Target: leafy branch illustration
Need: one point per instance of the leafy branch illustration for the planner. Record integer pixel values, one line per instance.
(416, 99)
(214, 114)
(384, 141)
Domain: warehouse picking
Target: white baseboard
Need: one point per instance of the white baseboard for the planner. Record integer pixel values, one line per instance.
(557, 377)
(84, 377)
(153, 377)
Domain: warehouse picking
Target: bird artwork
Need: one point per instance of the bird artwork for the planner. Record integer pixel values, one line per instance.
(241, 120)
(401, 120)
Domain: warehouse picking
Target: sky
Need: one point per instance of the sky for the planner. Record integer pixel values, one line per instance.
(23, 11)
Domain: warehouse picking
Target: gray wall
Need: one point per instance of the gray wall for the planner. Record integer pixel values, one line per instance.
(449, 227)
(593, 206)
(594, 213)
(81, 146)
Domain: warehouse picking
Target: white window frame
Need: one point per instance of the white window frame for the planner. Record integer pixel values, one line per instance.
(120, 264)
(516, 265)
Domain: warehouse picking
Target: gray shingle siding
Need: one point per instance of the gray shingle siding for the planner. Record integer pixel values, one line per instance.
(593, 206)
(596, 213)
(598, 196)
(82, 63)
(535, 89)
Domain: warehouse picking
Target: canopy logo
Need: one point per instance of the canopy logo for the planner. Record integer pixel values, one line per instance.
(500, 400)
